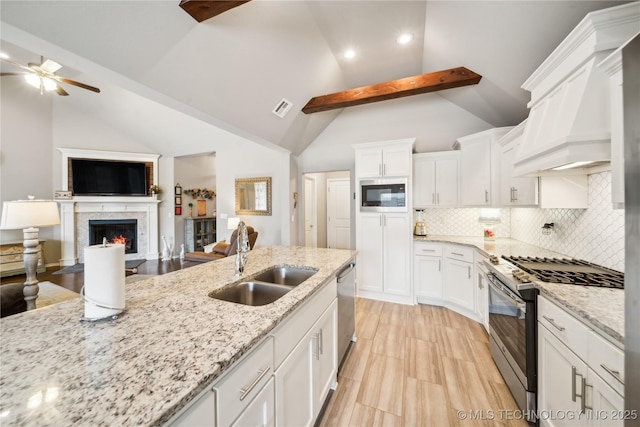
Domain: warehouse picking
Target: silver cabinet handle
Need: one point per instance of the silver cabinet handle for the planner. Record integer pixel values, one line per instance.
(583, 396)
(321, 343)
(439, 263)
(614, 374)
(574, 374)
(245, 391)
(433, 198)
(428, 250)
(515, 194)
(317, 346)
(456, 253)
(554, 324)
(384, 169)
(380, 169)
(486, 196)
(469, 268)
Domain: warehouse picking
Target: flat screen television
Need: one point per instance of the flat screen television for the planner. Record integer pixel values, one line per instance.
(108, 178)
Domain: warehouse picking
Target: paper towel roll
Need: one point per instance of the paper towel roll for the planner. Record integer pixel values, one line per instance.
(103, 280)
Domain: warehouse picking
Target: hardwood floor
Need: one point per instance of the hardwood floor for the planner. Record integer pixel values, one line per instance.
(419, 366)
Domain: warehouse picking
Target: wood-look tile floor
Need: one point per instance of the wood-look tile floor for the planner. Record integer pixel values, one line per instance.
(419, 366)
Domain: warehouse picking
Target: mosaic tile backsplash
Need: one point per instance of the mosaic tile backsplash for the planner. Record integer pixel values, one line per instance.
(595, 234)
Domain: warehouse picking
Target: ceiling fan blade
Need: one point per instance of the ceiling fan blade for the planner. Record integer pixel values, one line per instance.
(75, 83)
(15, 64)
(12, 74)
(50, 66)
(61, 91)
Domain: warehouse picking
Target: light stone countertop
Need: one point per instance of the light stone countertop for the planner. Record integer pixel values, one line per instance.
(602, 309)
(172, 341)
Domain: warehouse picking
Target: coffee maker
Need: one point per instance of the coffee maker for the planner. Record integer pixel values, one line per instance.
(420, 228)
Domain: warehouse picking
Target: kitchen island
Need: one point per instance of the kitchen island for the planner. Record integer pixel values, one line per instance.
(169, 345)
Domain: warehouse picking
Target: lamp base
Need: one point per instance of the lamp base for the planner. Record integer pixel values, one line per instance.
(31, 287)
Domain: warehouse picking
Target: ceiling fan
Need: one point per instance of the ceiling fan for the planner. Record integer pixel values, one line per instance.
(43, 76)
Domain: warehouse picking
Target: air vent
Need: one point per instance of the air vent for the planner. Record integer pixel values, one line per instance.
(282, 108)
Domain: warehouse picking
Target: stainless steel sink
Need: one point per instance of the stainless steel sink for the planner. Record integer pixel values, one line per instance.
(285, 275)
(251, 293)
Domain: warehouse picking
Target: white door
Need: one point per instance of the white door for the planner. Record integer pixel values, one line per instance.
(310, 200)
(338, 213)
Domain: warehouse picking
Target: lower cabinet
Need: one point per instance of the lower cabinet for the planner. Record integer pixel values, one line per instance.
(283, 381)
(427, 272)
(580, 375)
(305, 377)
(459, 289)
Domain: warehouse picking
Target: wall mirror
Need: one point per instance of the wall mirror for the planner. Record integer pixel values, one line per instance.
(253, 196)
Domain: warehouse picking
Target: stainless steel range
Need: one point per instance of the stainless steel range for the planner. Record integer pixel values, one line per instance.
(513, 318)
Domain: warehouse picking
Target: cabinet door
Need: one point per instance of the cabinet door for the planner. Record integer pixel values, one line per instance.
(483, 298)
(396, 161)
(294, 386)
(370, 246)
(260, 412)
(607, 406)
(397, 254)
(201, 413)
(475, 174)
(369, 163)
(560, 379)
(428, 276)
(459, 287)
(424, 182)
(326, 365)
(447, 183)
(516, 191)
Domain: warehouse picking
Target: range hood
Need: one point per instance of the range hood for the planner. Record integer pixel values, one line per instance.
(569, 118)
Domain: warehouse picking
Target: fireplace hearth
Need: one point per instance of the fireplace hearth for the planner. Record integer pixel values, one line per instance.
(123, 231)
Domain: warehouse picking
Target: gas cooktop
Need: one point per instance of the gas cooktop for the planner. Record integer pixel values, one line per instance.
(570, 271)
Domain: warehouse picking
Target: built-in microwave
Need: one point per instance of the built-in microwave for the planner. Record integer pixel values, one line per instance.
(383, 195)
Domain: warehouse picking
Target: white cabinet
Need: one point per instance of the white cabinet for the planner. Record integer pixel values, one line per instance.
(579, 372)
(428, 272)
(384, 251)
(459, 288)
(482, 289)
(261, 411)
(201, 412)
(480, 167)
(515, 191)
(384, 159)
(435, 179)
(305, 377)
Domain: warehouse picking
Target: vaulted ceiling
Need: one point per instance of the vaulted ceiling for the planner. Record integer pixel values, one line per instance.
(232, 70)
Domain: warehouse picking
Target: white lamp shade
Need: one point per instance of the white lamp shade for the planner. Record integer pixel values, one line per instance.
(232, 223)
(20, 214)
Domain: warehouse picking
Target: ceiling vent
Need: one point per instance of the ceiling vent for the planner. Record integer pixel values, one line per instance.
(282, 108)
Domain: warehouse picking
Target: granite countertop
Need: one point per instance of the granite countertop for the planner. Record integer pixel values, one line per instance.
(172, 341)
(602, 309)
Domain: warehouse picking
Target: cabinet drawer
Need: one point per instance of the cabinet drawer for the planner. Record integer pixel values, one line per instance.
(459, 252)
(607, 361)
(428, 249)
(290, 332)
(569, 330)
(238, 388)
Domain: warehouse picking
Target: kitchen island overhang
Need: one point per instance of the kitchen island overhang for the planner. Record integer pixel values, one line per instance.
(141, 369)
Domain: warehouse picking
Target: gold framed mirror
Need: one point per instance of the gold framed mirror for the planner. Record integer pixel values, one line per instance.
(253, 196)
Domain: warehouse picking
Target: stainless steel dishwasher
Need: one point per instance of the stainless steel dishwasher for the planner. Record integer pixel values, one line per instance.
(346, 310)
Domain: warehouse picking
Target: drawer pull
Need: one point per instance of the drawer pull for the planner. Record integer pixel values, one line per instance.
(245, 391)
(428, 250)
(456, 253)
(321, 343)
(614, 374)
(553, 323)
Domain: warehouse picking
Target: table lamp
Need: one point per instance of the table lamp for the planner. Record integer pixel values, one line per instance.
(29, 215)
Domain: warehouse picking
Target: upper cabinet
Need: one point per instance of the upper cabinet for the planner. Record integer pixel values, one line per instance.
(480, 167)
(515, 191)
(435, 179)
(384, 159)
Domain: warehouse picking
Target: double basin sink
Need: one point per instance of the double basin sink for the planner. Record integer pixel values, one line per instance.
(265, 287)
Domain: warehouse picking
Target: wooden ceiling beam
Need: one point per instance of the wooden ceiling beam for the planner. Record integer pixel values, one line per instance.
(201, 10)
(423, 83)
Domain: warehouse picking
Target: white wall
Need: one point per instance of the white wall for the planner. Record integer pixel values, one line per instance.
(25, 154)
(432, 120)
(245, 159)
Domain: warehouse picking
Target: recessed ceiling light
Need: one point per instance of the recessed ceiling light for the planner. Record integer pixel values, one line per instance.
(349, 54)
(404, 38)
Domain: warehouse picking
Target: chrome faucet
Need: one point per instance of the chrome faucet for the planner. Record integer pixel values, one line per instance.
(243, 248)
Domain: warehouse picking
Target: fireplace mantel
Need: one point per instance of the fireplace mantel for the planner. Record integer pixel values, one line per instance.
(75, 213)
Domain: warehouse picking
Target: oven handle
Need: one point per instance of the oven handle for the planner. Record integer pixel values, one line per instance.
(520, 304)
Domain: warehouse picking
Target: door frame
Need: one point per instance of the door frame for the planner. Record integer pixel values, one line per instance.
(310, 202)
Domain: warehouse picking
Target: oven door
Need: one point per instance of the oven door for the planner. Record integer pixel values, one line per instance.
(507, 325)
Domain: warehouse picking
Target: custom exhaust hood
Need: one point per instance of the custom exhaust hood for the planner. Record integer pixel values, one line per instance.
(569, 119)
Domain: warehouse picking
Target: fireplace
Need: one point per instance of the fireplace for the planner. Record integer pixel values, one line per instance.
(124, 231)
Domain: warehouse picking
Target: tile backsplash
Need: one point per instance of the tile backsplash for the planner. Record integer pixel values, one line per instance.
(595, 234)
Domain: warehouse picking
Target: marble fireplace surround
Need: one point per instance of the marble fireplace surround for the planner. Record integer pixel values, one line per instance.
(76, 212)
